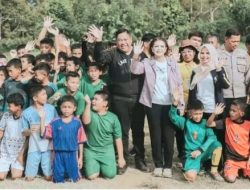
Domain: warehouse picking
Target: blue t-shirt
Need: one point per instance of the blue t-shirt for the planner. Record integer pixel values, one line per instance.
(66, 136)
(30, 117)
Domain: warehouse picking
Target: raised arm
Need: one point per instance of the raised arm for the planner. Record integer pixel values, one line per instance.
(177, 120)
(136, 66)
(86, 117)
(219, 108)
(47, 22)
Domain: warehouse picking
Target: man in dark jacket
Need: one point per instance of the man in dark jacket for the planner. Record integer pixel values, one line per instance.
(124, 86)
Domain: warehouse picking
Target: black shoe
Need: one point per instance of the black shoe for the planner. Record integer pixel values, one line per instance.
(121, 171)
(141, 165)
(132, 152)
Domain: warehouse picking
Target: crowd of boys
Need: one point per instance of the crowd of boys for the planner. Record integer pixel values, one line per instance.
(56, 109)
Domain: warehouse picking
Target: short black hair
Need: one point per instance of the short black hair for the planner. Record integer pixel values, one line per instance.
(122, 30)
(232, 32)
(35, 90)
(16, 63)
(22, 46)
(195, 33)
(247, 39)
(63, 55)
(104, 94)
(195, 105)
(47, 57)
(242, 105)
(67, 98)
(72, 74)
(75, 60)
(76, 46)
(4, 70)
(148, 37)
(42, 66)
(30, 58)
(16, 99)
(95, 64)
(48, 41)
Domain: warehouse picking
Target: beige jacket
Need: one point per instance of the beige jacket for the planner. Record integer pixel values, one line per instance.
(237, 67)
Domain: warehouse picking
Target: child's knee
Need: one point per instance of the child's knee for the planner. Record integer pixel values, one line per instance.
(93, 177)
(109, 174)
(230, 179)
(190, 176)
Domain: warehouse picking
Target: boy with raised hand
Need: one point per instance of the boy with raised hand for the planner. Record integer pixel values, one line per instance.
(34, 120)
(12, 144)
(92, 83)
(102, 129)
(237, 138)
(71, 88)
(200, 142)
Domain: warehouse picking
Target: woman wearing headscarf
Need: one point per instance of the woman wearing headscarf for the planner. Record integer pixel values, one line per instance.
(207, 80)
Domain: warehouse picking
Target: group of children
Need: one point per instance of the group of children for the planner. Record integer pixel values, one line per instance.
(55, 116)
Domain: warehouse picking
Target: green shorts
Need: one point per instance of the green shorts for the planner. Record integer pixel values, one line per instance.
(103, 163)
(195, 163)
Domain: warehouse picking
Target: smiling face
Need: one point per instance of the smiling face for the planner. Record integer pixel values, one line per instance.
(72, 84)
(159, 48)
(205, 57)
(188, 54)
(124, 42)
(196, 115)
(99, 104)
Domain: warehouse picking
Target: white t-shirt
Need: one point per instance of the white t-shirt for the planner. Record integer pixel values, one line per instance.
(205, 93)
(161, 94)
(13, 140)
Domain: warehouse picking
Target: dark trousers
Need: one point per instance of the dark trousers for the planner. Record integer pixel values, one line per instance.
(127, 114)
(137, 128)
(161, 134)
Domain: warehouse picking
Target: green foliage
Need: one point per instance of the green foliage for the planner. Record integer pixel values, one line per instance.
(22, 20)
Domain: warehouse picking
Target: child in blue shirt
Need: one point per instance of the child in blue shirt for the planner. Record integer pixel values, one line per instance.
(34, 120)
(68, 136)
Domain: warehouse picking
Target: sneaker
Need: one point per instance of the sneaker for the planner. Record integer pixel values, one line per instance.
(142, 166)
(167, 172)
(132, 152)
(157, 172)
(216, 176)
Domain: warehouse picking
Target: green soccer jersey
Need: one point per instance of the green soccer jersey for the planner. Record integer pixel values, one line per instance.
(79, 97)
(86, 87)
(102, 130)
(197, 135)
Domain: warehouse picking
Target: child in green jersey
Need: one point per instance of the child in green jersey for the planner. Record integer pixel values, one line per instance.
(200, 141)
